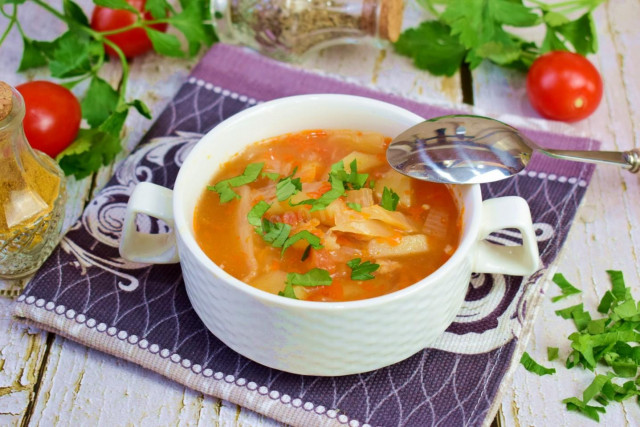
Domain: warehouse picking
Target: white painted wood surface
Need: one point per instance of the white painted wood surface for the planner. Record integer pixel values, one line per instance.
(47, 380)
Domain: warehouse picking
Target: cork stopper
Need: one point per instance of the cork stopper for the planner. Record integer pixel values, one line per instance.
(390, 19)
(6, 100)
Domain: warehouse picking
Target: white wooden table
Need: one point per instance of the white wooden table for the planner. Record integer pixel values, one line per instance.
(48, 380)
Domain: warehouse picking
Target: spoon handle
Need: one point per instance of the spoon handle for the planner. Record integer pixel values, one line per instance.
(626, 159)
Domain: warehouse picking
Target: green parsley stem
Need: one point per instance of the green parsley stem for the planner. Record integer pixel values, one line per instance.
(137, 24)
(125, 70)
(11, 23)
(51, 10)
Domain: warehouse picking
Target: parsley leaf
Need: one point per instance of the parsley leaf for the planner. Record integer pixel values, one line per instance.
(257, 211)
(275, 233)
(389, 199)
(552, 353)
(288, 291)
(355, 206)
(532, 366)
(287, 187)
(306, 253)
(99, 102)
(575, 404)
(33, 54)
(432, 48)
(223, 188)
(564, 285)
(273, 176)
(352, 179)
(313, 277)
(164, 44)
(312, 239)
(362, 271)
(337, 190)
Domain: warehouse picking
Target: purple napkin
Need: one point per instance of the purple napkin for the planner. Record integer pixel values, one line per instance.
(141, 313)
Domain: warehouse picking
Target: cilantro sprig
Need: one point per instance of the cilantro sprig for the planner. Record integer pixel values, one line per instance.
(78, 55)
(470, 31)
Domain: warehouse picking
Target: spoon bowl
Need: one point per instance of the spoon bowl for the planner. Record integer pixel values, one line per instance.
(466, 149)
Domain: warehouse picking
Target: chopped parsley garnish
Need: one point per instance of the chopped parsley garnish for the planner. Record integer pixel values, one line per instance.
(352, 180)
(362, 271)
(313, 277)
(255, 214)
(273, 176)
(312, 239)
(223, 188)
(533, 366)
(288, 291)
(337, 190)
(564, 285)
(609, 341)
(287, 187)
(355, 206)
(275, 233)
(389, 199)
(306, 253)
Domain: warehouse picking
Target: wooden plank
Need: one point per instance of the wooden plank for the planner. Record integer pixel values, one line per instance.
(601, 237)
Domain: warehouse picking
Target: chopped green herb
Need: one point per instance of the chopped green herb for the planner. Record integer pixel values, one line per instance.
(312, 239)
(223, 188)
(355, 206)
(575, 404)
(532, 366)
(372, 183)
(255, 214)
(362, 271)
(287, 187)
(337, 190)
(389, 199)
(352, 180)
(273, 176)
(306, 253)
(552, 353)
(564, 285)
(288, 291)
(565, 313)
(313, 277)
(275, 233)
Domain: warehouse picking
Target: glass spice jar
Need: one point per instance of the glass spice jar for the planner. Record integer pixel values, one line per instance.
(290, 29)
(32, 194)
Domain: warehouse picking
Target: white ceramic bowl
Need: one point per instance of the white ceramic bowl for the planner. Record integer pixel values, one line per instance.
(316, 338)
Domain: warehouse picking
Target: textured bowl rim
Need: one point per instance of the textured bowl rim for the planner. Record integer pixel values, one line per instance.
(464, 249)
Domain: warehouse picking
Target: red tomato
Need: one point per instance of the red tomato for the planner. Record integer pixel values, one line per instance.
(564, 86)
(133, 42)
(52, 116)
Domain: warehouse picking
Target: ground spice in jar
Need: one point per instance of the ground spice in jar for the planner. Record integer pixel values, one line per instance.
(31, 194)
(288, 29)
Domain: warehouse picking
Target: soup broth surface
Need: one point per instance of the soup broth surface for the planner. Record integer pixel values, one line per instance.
(366, 248)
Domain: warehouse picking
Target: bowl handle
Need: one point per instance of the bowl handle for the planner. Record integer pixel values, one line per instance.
(155, 201)
(501, 213)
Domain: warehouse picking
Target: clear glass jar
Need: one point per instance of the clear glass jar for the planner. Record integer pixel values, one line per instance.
(32, 194)
(290, 29)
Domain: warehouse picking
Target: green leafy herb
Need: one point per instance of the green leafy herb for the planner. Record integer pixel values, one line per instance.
(355, 206)
(273, 176)
(564, 285)
(532, 366)
(470, 31)
(78, 54)
(275, 233)
(287, 187)
(223, 188)
(352, 180)
(306, 253)
(313, 240)
(389, 199)
(337, 190)
(313, 277)
(552, 353)
(362, 271)
(255, 214)
(288, 291)
(611, 341)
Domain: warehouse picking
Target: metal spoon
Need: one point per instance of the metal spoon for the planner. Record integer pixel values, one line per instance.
(464, 149)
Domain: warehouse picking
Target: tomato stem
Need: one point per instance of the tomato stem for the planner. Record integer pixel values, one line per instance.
(122, 86)
(138, 24)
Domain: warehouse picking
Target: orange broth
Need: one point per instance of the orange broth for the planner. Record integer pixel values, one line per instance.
(408, 244)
